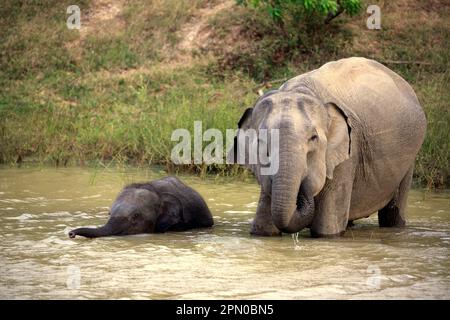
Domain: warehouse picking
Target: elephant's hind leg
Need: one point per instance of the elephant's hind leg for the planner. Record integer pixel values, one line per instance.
(393, 214)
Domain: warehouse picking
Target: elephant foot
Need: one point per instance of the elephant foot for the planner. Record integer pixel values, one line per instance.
(264, 231)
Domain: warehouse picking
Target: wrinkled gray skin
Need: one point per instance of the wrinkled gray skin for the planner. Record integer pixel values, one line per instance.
(349, 134)
(158, 206)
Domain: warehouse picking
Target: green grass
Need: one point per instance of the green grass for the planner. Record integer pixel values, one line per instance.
(115, 97)
(123, 119)
(432, 164)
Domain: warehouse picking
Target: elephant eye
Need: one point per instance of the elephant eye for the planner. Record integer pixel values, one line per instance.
(136, 215)
(314, 138)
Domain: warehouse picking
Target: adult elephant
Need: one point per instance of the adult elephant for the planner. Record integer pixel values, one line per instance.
(348, 136)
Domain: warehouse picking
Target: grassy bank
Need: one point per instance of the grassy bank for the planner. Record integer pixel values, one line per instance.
(115, 90)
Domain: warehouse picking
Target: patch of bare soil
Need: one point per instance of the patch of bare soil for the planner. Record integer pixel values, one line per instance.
(104, 17)
(195, 34)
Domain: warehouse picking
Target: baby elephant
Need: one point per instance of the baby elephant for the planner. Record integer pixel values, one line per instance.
(153, 207)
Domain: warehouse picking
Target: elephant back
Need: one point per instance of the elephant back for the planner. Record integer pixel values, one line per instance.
(195, 209)
(387, 123)
(379, 104)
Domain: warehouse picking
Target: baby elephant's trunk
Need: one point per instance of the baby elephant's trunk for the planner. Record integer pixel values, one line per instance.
(104, 231)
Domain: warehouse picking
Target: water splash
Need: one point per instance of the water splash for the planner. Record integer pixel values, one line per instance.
(296, 241)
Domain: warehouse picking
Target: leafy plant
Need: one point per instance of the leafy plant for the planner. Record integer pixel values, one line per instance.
(307, 10)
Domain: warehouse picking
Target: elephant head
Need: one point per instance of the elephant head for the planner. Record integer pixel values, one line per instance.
(137, 210)
(314, 138)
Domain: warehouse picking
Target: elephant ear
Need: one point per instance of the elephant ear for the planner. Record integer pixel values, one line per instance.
(338, 147)
(244, 124)
(171, 213)
(245, 119)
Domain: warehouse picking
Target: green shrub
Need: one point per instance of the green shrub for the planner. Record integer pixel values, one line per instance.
(248, 40)
(304, 11)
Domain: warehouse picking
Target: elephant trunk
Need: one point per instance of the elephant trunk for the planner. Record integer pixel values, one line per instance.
(108, 229)
(292, 203)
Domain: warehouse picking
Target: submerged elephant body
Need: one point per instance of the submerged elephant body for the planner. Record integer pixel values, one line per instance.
(158, 206)
(348, 136)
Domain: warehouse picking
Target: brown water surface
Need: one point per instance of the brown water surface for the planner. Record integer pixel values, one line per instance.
(38, 206)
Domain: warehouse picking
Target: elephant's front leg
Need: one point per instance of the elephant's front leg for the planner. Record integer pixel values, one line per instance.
(333, 204)
(262, 224)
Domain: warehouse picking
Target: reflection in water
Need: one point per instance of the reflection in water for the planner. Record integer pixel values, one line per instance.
(39, 206)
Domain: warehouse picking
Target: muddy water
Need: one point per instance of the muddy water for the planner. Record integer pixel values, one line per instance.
(38, 261)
